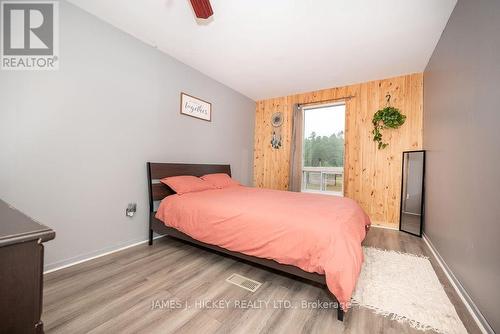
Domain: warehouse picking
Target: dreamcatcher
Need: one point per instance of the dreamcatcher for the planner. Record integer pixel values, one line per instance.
(277, 122)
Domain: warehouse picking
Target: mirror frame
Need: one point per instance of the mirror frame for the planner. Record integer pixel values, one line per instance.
(422, 208)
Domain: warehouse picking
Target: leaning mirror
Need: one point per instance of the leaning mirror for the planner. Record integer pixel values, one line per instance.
(412, 193)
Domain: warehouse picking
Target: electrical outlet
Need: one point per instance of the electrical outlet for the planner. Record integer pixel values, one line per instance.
(131, 209)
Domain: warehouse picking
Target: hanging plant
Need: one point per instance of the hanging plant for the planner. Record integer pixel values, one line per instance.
(387, 118)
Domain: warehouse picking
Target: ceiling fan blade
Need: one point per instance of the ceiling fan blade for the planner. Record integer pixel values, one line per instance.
(202, 8)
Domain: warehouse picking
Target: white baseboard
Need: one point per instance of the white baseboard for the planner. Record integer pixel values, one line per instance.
(386, 227)
(478, 317)
(99, 255)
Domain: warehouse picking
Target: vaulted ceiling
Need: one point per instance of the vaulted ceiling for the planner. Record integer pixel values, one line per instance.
(266, 48)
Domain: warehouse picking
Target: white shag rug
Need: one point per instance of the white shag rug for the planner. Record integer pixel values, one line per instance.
(405, 288)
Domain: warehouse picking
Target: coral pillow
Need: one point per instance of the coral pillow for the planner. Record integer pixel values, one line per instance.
(220, 180)
(186, 184)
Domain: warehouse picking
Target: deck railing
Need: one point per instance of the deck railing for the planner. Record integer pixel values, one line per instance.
(323, 179)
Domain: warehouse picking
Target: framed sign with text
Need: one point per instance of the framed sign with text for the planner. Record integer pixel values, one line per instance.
(194, 107)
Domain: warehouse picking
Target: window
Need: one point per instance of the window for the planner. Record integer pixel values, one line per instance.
(323, 149)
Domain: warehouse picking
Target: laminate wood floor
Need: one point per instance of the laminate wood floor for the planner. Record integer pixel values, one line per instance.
(145, 289)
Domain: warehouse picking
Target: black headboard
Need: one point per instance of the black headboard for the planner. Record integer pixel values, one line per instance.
(158, 171)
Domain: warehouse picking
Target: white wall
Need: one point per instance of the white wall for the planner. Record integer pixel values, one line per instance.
(74, 143)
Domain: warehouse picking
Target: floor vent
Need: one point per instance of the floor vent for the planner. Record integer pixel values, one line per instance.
(243, 282)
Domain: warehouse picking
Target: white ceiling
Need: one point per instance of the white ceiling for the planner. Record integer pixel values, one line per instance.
(266, 48)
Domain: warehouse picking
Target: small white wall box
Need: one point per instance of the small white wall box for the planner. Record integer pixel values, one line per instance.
(131, 209)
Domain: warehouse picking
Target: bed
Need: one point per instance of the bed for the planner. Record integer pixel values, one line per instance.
(314, 237)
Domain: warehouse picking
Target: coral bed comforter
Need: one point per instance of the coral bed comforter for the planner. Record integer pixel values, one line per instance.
(317, 233)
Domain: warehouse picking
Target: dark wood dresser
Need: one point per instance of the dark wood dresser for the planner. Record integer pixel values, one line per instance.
(21, 271)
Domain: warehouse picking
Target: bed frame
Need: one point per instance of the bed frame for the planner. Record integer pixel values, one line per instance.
(158, 191)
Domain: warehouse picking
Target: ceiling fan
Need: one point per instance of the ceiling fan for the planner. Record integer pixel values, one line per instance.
(202, 8)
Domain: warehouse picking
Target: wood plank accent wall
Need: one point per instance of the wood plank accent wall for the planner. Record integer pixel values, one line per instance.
(372, 177)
